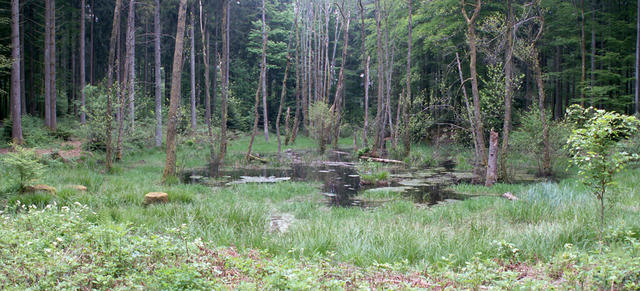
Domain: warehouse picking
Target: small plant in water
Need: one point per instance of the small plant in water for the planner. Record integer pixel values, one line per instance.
(593, 146)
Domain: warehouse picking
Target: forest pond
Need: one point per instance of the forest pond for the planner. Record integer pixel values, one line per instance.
(341, 181)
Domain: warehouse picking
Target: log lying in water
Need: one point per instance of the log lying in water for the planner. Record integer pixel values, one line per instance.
(379, 160)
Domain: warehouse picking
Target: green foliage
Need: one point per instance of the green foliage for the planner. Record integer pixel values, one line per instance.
(527, 140)
(593, 146)
(25, 164)
(322, 121)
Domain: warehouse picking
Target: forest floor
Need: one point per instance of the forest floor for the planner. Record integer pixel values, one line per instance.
(224, 237)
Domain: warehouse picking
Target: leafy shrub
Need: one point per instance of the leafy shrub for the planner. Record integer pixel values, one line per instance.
(26, 165)
(593, 146)
(322, 121)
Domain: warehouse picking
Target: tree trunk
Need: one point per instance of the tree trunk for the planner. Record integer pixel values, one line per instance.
(53, 123)
(256, 117)
(83, 115)
(225, 80)
(492, 166)
(296, 122)
(583, 54)
(365, 130)
(207, 84)
(480, 159)
(264, 72)
(406, 106)
(546, 157)
(158, 76)
(593, 56)
(508, 94)
(337, 100)
(16, 127)
(131, 58)
(468, 107)
(174, 101)
(110, 72)
(380, 109)
(193, 71)
(637, 64)
(47, 64)
(282, 95)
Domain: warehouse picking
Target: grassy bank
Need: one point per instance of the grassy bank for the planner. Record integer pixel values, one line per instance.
(439, 245)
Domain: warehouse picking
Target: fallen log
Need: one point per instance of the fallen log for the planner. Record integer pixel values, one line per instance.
(259, 159)
(509, 196)
(379, 160)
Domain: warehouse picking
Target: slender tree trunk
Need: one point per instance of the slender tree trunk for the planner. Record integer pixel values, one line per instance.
(365, 65)
(282, 95)
(16, 127)
(83, 116)
(53, 123)
(91, 59)
(583, 55)
(593, 57)
(546, 156)
(23, 97)
(158, 76)
(264, 79)
(207, 84)
(296, 121)
(637, 64)
(380, 110)
(406, 106)
(110, 72)
(472, 124)
(47, 64)
(225, 81)
(256, 117)
(337, 100)
(471, 38)
(508, 94)
(170, 162)
(131, 58)
(193, 71)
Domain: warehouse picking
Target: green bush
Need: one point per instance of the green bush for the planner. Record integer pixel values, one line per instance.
(25, 164)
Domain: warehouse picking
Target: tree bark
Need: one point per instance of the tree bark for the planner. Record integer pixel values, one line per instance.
(337, 100)
(110, 72)
(637, 64)
(16, 127)
(508, 94)
(492, 166)
(83, 116)
(47, 64)
(193, 71)
(365, 67)
(468, 107)
(583, 55)
(158, 76)
(131, 58)
(53, 123)
(406, 106)
(207, 84)
(225, 81)
(264, 79)
(546, 156)
(174, 101)
(471, 35)
(380, 109)
(296, 121)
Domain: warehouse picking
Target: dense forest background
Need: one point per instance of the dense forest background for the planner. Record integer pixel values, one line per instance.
(586, 52)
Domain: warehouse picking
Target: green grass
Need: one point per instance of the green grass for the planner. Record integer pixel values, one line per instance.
(547, 217)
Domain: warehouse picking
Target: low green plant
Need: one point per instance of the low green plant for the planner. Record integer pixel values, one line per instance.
(26, 165)
(593, 146)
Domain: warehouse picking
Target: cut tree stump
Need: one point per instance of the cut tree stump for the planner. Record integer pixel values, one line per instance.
(156, 197)
(40, 188)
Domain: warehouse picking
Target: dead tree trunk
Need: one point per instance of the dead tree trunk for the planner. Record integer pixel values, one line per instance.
(492, 166)
(296, 120)
(546, 155)
(480, 159)
(158, 76)
(131, 58)
(16, 118)
(174, 101)
(365, 65)
(205, 60)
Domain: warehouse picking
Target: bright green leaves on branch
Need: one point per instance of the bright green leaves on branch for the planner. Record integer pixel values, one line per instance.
(593, 146)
